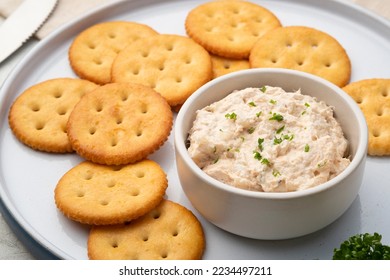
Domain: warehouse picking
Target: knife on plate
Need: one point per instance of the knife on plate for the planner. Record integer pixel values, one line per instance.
(22, 24)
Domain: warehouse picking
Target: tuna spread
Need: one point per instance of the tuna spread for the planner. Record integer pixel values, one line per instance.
(268, 140)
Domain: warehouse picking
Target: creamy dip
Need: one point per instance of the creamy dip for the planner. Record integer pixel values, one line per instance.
(266, 139)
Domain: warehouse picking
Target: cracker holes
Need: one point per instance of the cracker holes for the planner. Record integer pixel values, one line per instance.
(80, 194)
(64, 129)
(379, 112)
(226, 66)
(114, 244)
(104, 202)
(230, 38)
(116, 168)
(98, 61)
(144, 54)
(91, 46)
(314, 45)
(145, 238)
(135, 71)
(235, 11)
(169, 47)
(140, 174)
(274, 60)
(99, 107)
(139, 133)
(175, 233)
(61, 111)
(328, 64)
(188, 60)
(210, 29)
(256, 34)
(178, 80)
(111, 184)
(114, 142)
(164, 255)
(144, 109)
(111, 35)
(35, 107)
(385, 93)
(259, 20)
(135, 192)
(116, 50)
(92, 130)
(88, 176)
(359, 100)
(156, 215)
(119, 120)
(375, 133)
(39, 126)
(124, 97)
(209, 14)
(57, 94)
(300, 62)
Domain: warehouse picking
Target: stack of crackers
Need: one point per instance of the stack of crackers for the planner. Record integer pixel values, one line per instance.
(119, 110)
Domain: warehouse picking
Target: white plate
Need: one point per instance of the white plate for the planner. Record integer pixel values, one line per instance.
(28, 178)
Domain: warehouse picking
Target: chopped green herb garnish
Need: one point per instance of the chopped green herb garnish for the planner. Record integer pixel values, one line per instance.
(260, 142)
(276, 117)
(257, 155)
(232, 116)
(216, 160)
(252, 104)
(307, 105)
(304, 112)
(273, 101)
(263, 89)
(276, 173)
(277, 141)
(321, 164)
(242, 138)
(307, 148)
(251, 130)
(265, 161)
(259, 114)
(288, 137)
(280, 129)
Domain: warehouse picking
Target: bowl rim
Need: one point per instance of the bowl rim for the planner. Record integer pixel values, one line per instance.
(359, 157)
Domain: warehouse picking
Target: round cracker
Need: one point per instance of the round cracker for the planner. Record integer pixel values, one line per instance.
(102, 195)
(229, 28)
(373, 98)
(174, 65)
(223, 65)
(305, 49)
(119, 123)
(39, 115)
(92, 52)
(169, 232)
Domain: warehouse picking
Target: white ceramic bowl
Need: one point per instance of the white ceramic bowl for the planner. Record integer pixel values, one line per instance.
(272, 216)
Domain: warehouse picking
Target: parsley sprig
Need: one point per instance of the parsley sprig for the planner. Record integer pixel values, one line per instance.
(362, 247)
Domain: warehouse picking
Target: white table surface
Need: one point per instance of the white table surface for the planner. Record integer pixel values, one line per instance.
(11, 248)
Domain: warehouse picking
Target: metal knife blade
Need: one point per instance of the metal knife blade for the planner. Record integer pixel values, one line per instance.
(22, 24)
